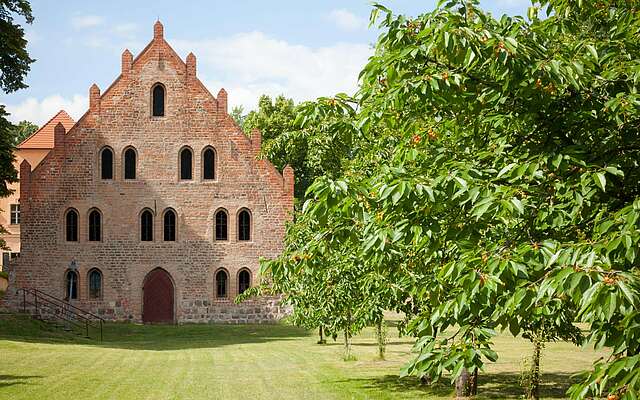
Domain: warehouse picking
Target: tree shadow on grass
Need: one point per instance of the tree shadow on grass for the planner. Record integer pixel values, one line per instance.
(151, 337)
(490, 386)
(12, 380)
(192, 336)
(507, 385)
(399, 387)
(367, 344)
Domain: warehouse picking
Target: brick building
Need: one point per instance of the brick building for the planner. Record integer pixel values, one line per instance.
(153, 206)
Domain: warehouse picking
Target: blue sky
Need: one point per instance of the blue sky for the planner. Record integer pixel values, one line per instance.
(303, 49)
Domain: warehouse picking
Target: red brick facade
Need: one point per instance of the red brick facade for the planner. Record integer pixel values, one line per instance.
(70, 178)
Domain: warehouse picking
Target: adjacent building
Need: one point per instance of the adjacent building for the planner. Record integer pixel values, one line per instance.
(33, 149)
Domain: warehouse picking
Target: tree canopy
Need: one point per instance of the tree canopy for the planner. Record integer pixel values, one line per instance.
(14, 59)
(14, 65)
(23, 130)
(312, 148)
(489, 181)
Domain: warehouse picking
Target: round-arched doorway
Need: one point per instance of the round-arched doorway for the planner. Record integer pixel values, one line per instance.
(158, 297)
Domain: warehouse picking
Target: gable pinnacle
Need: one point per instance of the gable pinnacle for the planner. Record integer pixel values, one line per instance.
(222, 101)
(158, 30)
(191, 65)
(127, 60)
(94, 97)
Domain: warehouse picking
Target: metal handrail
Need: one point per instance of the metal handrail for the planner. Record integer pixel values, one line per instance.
(66, 303)
(62, 310)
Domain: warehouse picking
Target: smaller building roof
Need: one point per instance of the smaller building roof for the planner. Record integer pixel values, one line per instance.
(43, 137)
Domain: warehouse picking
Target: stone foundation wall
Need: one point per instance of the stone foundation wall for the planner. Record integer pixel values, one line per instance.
(264, 310)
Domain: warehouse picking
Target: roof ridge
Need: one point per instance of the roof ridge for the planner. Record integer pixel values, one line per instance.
(44, 125)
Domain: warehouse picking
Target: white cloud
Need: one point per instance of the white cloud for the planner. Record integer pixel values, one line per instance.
(247, 65)
(250, 64)
(346, 20)
(126, 30)
(86, 21)
(40, 111)
(110, 38)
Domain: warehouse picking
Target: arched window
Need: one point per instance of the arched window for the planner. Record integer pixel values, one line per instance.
(146, 226)
(106, 163)
(221, 225)
(95, 228)
(71, 225)
(209, 164)
(186, 160)
(158, 100)
(169, 226)
(95, 284)
(221, 284)
(244, 281)
(130, 163)
(71, 285)
(244, 225)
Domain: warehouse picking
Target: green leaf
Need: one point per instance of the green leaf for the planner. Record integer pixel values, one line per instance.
(600, 180)
(481, 207)
(469, 57)
(628, 293)
(553, 259)
(578, 67)
(490, 354)
(518, 205)
(614, 171)
(462, 182)
(593, 51)
(505, 169)
(555, 67)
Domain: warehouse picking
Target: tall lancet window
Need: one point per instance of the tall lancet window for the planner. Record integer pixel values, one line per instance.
(95, 229)
(186, 164)
(130, 163)
(146, 226)
(244, 225)
(158, 100)
(106, 163)
(71, 285)
(209, 164)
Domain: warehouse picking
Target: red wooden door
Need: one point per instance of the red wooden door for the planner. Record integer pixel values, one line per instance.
(157, 303)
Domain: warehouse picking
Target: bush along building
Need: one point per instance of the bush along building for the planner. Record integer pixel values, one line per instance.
(153, 207)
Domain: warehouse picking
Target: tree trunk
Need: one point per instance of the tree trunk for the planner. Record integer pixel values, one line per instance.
(321, 333)
(382, 338)
(347, 346)
(467, 384)
(534, 384)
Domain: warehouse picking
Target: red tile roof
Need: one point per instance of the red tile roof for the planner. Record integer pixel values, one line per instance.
(43, 137)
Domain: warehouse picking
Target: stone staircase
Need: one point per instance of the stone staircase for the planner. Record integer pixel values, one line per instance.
(59, 313)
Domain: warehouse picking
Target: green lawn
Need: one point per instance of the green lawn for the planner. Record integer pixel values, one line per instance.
(237, 362)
